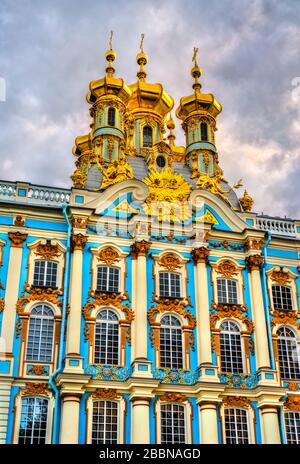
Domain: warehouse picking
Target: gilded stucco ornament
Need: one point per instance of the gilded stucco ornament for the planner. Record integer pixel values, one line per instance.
(247, 202)
(35, 388)
(38, 294)
(236, 401)
(47, 251)
(105, 394)
(227, 268)
(281, 277)
(108, 255)
(17, 239)
(168, 192)
(170, 261)
(285, 318)
(213, 185)
(292, 403)
(173, 397)
(116, 172)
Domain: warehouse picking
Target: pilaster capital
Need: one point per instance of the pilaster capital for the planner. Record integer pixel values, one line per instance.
(200, 255)
(140, 248)
(17, 239)
(78, 241)
(254, 262)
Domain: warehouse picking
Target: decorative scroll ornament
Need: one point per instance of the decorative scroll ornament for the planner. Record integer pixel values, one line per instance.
(285, 317)
(80, 222)
(200, 255)
(37, 370)
(254, 245)
(108, 255)
(213, 185)
(38, 294)
(47, 251)
(247, 202)
(17, 239)
(116, 172)
(170, 262)
(78, 241)
(223, 311)
(292, 402)
(173, 397)
(254, 262)
(78, 178)
(207, 218)
(105, 394)
(168, 192)
(227, 246)
(35, 388)
(280, 277)
(227, 268)
(236, 401)
(171, 305)
(293, 386)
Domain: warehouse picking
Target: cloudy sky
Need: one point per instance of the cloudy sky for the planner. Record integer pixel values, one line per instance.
(249, 52)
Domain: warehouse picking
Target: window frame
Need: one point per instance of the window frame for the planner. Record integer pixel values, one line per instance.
(273, 286)
(47, 265)
(251, 435)
(106, 401)
(224, 279)
(106, 344)
(182, 341)
(27, 360)
(290, 411)
(206, 138)
(147, 126)
(170, 273)
(294, 338)
(111, 108)
(121, 416)
(188, 411)
(242, 342)
(109, 268)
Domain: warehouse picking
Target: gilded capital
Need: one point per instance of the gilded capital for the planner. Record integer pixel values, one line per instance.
(200, 255)
(140, 248)
(17, 239)
(78, 241)
(254, 262)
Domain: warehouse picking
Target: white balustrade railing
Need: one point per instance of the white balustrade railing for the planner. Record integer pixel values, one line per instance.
(276, 226)
(29, 193)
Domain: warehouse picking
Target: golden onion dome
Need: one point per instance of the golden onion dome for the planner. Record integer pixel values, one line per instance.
(148, 97)
(108, 85)
(198, 101)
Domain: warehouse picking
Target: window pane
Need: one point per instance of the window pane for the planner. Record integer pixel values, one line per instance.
(227, 291)
(288, 354)
(111, 116)
(45, 274)
(231, 348)
(108, 279)
(107, 338)
(204, 136)
(147, 136)
(171, 350)
(236, 426)
(105, 422)
(40, 334)
(172, 424)
(169, 285)
(33, 421)
(292, 427)
(282, 298)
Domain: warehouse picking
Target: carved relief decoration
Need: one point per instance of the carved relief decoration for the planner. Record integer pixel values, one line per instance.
(285, 317)
(170, 261)
(108, 255)
(1, 305)
(19, 221)
(171, 305)
(37, 370)
(200, 255)
(38, 294)
(280, 277)
(254, 262)
(236, 401)
(105, 394)
(35, 388)
(47, 251)
(78, 241)
(173, 397)
(140, 248)
(79, 222)
(292, 402)
(17, 239)
(227, 268)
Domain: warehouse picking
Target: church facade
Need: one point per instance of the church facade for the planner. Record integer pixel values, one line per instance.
(148, 303)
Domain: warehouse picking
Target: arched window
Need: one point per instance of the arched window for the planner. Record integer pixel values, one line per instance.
(147, 136)
(282, 297)
(288, 355)
(231, 348)
(227, 291)
(169, 284)
(108, 279)
(33, 421)
(105, 422)
(107, 338)
(204, 134)
(111, 117)
(171, 355)
(45, 274)
(292, 427)
(236, 426)
(40, 334)
(173, 423)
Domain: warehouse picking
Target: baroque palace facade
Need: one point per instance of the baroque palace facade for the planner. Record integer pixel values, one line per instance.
(148, 303)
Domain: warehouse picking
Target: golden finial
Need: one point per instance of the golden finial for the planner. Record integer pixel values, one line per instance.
(196, 71)
(247, 202)
(142, 60)
(110, 56)
(171, 127)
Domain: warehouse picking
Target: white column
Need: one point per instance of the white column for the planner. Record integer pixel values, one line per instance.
(139, 252)
(260, 326)
(12, 289)
(70, 418)
(200, 256)
(140, 431)
(75, 300)
(208, 423)
(270, 425)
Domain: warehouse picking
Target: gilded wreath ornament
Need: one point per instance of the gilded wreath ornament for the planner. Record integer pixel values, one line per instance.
(108, 255)
(227, 268)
